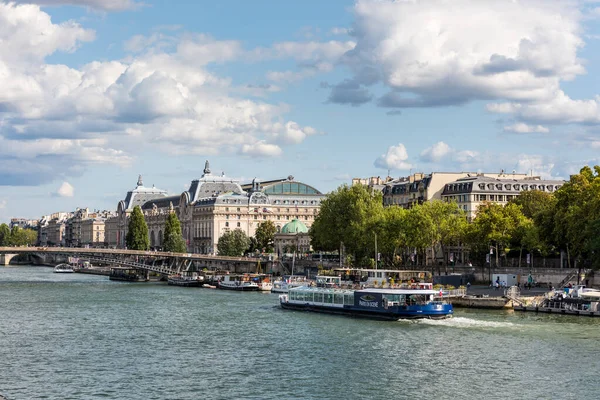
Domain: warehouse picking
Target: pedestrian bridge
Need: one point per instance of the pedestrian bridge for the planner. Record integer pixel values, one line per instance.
(151, 261)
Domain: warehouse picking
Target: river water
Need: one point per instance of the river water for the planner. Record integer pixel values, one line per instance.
(73, 336)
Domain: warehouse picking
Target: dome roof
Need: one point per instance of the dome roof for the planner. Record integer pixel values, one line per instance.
(294, 226)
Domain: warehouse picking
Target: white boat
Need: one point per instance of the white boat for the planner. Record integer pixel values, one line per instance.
(285, 285)
(63, 269)
(237, 282)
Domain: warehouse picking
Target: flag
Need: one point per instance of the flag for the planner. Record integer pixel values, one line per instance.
(265, 209)
(256, 209)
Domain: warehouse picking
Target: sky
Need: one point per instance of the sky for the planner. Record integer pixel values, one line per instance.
(94, 93)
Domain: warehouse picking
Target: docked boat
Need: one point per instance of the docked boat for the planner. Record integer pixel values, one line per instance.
(285, 285)
(578, 300)
(64, 269)
(237, 282)
(127, 274)
(387, 304)
(186, 280)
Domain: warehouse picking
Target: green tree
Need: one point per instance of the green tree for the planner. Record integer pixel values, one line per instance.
(265, 236)
(4, 235)
(21, 237)
(348, 216)
(448, 225)
(494, 227)
(577, 216)
(233, 243)
(534, 202)
(173, 239)
(137, 234)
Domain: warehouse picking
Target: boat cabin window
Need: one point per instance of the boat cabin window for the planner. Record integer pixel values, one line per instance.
(328, 298)
(338, 298)
(348, 298)
(318, 297)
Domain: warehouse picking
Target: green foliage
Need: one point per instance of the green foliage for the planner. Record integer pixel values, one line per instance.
(173, 239)
(233, 243)
(265, 235)
(4, 235)
(17, 236)
(137, 234)
(349, 215)
(577, 216)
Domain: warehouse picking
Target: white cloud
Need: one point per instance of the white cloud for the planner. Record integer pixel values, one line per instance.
(3, 203)
(65, 190)
(428, 55)
(261, 149)
(163, 96)
(395, 158)
(494, 49)
(537, 165)
(339, 31)
(436, 152)
(524, 128)
(105, 5)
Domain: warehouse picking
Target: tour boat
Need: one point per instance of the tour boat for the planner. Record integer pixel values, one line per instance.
(237, 282)
(387, 304)
(63, 269)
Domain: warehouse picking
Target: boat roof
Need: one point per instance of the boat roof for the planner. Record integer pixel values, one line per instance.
(380, 291)
(399, 291)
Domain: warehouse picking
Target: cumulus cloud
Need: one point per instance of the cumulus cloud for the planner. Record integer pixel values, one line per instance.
(524, 128)
(261, 149)
(161, 95)
(427, 55)
(436, 152)
(65, 190)
(312, 58)
(394, 158)
(105, 5)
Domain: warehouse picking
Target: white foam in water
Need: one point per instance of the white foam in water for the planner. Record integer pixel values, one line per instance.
(462, 322)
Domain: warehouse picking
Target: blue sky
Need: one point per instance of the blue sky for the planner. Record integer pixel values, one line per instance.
(95, 92)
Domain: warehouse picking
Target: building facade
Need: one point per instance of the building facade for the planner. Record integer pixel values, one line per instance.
(215, 204)
(472, 191)
(293, 237)
(419, 187)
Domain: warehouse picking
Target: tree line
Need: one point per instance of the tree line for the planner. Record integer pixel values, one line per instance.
(353, 220)
(17, 236)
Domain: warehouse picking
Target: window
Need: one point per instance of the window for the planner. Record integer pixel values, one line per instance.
(238, 225)
(226, 223)
(492, 197)
(256, 217)
(226, 208)
(238, 209)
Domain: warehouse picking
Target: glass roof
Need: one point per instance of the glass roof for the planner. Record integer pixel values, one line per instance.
(290, 188)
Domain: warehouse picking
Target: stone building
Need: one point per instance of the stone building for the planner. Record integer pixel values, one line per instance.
(293, 237)
(472, 191)
(419, 187)
(115, 228)
(215, 204)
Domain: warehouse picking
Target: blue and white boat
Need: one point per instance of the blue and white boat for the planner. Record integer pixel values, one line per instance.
(388, 304)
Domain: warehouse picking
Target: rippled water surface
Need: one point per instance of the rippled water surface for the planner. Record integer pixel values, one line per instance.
(72, 336)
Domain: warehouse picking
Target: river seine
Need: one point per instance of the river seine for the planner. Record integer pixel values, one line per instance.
(73, 336)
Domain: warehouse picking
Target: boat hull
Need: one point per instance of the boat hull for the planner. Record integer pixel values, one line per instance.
(240, 288)
(427, 311)
(184, 282)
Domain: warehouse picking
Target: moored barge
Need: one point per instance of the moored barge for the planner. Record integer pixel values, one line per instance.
(387, 304)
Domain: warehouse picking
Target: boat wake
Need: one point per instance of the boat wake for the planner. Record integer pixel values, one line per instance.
(463, 322)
